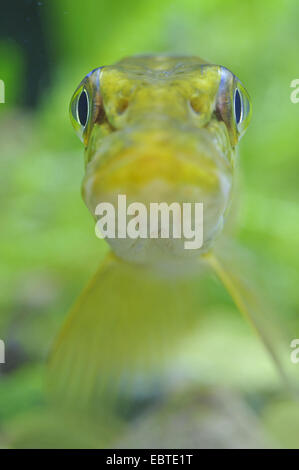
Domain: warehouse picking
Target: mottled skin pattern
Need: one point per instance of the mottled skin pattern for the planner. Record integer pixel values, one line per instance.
(161, 129)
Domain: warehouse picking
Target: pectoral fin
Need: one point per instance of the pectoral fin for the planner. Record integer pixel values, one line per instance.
(253, 309)
(125, 322)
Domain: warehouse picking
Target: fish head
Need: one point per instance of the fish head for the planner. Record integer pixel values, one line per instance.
(161, 129)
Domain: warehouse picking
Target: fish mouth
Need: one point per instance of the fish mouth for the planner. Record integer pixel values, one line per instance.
(157, 167)
(134, 160)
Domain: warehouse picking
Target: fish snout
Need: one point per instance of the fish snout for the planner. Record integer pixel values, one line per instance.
(160, 168)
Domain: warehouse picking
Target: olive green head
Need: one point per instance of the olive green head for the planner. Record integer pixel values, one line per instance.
(161, 128)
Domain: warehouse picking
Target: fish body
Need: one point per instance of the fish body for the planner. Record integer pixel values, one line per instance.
(155, 129)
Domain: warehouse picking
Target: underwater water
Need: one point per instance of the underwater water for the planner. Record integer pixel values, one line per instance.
(219, 386)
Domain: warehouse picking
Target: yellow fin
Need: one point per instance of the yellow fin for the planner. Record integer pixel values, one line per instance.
(250, 305)
(127, 321)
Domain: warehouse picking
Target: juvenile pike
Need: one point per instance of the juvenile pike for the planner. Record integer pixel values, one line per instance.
(154, 128)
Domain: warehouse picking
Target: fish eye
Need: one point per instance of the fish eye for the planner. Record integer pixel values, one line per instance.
(237, 106)
(82, 108)
(241, 108)
(233, 105)
(80, 111)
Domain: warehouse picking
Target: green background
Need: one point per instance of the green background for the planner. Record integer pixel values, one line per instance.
(48, 250)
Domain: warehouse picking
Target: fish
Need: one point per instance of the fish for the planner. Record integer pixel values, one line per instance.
(155, 129)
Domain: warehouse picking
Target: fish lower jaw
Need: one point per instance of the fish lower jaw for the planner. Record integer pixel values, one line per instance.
(159, 224)
(161, 253)
(172, 240)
